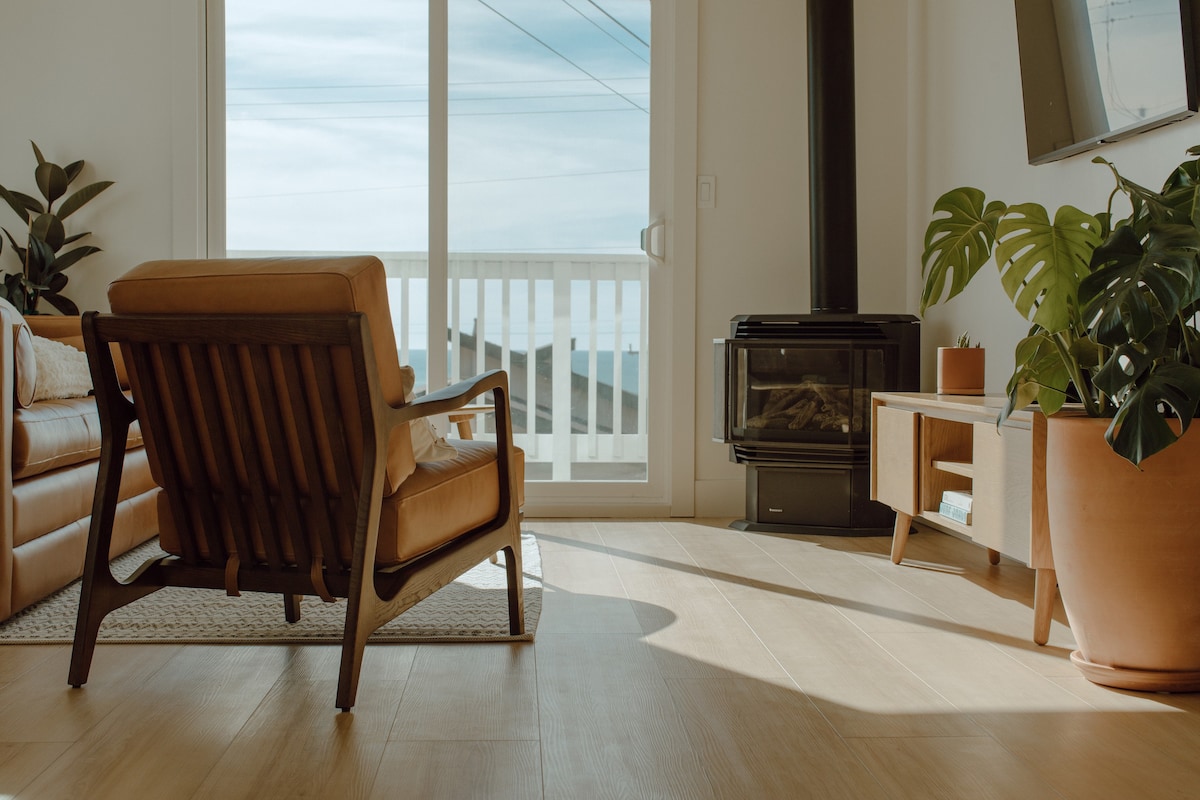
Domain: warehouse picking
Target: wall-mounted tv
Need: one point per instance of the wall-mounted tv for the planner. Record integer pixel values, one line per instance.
(1096, 71)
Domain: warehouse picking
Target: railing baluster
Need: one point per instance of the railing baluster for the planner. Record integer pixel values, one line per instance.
(593, 383)
(563, 444)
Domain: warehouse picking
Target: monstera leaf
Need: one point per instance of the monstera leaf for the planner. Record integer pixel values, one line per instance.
(1041, 375)
(1042, 263)
(958, 242)
(1136, 284)
(1139, 430)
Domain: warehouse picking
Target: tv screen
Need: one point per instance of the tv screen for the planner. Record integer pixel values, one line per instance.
(1096, 71)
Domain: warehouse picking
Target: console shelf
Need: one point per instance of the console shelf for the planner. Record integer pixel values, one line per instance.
(923, 445)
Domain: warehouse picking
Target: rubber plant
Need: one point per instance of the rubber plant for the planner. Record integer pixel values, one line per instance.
(1112, 301)
(43, 265)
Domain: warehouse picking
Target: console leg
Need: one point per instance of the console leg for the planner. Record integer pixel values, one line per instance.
(900, 536)
(1045, 591)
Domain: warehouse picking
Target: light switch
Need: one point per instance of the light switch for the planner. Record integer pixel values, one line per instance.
(706, 191)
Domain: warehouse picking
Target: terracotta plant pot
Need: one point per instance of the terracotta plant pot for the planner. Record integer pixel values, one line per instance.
(1127, 555)
(960, 370)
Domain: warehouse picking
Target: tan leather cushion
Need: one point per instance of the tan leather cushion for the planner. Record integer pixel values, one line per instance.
(47, 502)
(313, 285)
(443, 499)
(439, 501)
(57, 433)
(50, 562)
(24, 365)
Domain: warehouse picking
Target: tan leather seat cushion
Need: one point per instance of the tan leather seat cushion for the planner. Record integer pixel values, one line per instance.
(444, 499)
(439, 501)
(58, 433)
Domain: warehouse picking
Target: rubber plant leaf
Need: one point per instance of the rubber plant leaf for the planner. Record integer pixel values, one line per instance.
(81, 197)
(51, 180)
(39, 258)
(1139, 430)
(49, 229)
(1041, 263)
(38, 153)
(958, 242)
(73, 169)
(69, 258)
(15, 203)
(64, 305)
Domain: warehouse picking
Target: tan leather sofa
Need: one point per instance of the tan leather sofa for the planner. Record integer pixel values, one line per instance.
(49, 455)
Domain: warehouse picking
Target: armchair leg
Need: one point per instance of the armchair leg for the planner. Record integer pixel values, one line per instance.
(291, 607)
(516, 589)
(87, 629)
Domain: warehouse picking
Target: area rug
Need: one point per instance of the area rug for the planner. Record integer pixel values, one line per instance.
(472, 609)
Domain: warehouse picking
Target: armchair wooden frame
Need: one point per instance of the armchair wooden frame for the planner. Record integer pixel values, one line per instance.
(273, 520)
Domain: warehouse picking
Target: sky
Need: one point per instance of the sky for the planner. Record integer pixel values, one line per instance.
(327, 116)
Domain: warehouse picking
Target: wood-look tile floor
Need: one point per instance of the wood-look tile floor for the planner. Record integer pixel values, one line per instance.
(674, 659)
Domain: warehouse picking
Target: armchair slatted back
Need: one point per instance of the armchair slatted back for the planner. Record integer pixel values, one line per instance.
(262, 459)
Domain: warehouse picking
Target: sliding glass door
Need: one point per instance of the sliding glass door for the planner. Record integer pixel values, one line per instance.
(496, 155)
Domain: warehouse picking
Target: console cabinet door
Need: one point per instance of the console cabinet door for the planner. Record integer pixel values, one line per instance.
(894, 458)
(1002, 507)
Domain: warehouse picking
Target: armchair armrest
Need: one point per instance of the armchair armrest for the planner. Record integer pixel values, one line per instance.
(455, 396)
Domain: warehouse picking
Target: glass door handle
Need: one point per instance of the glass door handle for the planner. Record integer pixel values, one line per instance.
(654, 241)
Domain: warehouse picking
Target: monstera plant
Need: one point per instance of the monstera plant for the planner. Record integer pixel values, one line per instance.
(1112, 300)
(42, 262)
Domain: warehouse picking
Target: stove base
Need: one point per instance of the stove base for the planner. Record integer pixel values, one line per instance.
(826, 499)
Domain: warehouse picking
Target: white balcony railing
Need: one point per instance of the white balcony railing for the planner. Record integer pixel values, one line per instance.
(570, 330)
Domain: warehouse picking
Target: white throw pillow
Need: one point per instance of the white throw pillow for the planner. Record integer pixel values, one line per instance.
(62, 371)
(427, 444)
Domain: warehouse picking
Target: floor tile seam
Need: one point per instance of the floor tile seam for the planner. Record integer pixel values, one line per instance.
(850, 621)
(245, 727)
(988, 639)
(34, 778)
(733, 607)
(1033, 767)
(412, 663)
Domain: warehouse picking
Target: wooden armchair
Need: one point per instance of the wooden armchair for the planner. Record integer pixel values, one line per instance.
(280, 454)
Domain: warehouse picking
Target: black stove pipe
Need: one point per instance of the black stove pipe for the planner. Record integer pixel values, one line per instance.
(832, 194)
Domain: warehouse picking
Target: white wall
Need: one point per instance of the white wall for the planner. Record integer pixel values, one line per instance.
(93, 81)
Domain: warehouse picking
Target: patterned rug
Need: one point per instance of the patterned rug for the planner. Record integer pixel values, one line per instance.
(472, 609)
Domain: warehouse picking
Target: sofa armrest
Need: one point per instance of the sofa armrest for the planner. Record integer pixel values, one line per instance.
(7, 390)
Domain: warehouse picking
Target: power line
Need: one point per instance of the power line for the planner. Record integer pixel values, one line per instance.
(425, 100)
(606, 33)
(451, 183)
(425, 116)
(562, 56)
(425, 85)
(618, 22)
